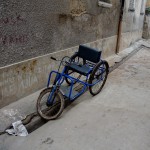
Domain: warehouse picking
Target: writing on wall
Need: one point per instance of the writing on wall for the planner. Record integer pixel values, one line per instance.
(10, 29)
(30, 76)
(13, 39)
(12, 20)
(27, 78)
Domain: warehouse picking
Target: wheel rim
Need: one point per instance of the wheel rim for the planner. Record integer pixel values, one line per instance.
(101, 75)
(49, 111)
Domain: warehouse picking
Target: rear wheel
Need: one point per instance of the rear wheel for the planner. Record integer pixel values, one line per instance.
(53, 111)
(100, 72)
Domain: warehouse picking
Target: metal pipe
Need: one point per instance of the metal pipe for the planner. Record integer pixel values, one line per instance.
(120, 26)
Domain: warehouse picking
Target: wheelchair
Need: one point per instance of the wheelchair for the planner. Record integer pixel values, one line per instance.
(85, 69)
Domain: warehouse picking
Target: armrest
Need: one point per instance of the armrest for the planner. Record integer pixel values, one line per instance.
(74, 56)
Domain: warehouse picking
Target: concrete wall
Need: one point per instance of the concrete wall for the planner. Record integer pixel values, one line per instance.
(146, 28)
(148, 3)
(22, 79)
(133, 20)
(132, 24)
(32, 28)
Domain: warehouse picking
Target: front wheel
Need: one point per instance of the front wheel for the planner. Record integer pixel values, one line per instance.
(53, 111)
(99, 75)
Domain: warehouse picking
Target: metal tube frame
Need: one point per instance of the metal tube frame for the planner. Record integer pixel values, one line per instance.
(60, 79)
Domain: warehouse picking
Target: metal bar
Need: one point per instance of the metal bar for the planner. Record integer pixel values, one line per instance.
(120, 26)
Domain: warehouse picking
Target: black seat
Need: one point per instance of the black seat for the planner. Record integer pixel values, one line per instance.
(86, 53)
(89, 54)
(84, 69)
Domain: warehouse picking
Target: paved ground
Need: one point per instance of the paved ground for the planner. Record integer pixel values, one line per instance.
(116, 119)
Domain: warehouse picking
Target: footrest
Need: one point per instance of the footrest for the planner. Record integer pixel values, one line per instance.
(66, 91)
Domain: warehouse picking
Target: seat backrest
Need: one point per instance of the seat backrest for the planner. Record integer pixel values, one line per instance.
(89, 54)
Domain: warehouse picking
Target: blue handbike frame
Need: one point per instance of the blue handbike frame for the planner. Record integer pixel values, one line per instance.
(59, 79)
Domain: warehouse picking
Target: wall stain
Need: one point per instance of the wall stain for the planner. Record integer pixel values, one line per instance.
(63, 18)
(24, 69)
(32, 65)
(77, 7)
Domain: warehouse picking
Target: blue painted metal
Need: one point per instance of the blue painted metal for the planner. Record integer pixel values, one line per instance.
(60, 80)
(50, 99)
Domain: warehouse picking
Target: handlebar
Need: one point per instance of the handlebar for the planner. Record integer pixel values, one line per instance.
(64, 62)
(54, 58)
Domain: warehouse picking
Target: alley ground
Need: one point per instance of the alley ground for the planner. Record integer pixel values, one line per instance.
(116, 119)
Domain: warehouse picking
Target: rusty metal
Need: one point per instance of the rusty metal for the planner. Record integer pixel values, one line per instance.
(120, 26)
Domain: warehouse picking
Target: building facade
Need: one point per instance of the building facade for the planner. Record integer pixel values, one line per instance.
(146, 28)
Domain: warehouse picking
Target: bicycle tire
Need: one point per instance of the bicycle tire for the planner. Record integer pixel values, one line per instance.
(93, 76)
(55, 110)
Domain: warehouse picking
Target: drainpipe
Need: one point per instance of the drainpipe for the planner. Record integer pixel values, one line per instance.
(120, 26)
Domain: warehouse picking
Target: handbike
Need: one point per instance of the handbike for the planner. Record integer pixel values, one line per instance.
(85, 63)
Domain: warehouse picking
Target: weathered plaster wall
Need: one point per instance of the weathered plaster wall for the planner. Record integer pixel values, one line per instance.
(148, 3)
(29, 29)
(146, 28)
(129, 38)
(32, 28)
(22, 79)
(132, 26)
(133, 20)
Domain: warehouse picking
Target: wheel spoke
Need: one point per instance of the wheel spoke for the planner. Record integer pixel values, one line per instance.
(98, 76)
(53, 110)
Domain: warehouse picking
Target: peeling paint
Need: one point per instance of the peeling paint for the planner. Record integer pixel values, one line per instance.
(77, 7)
